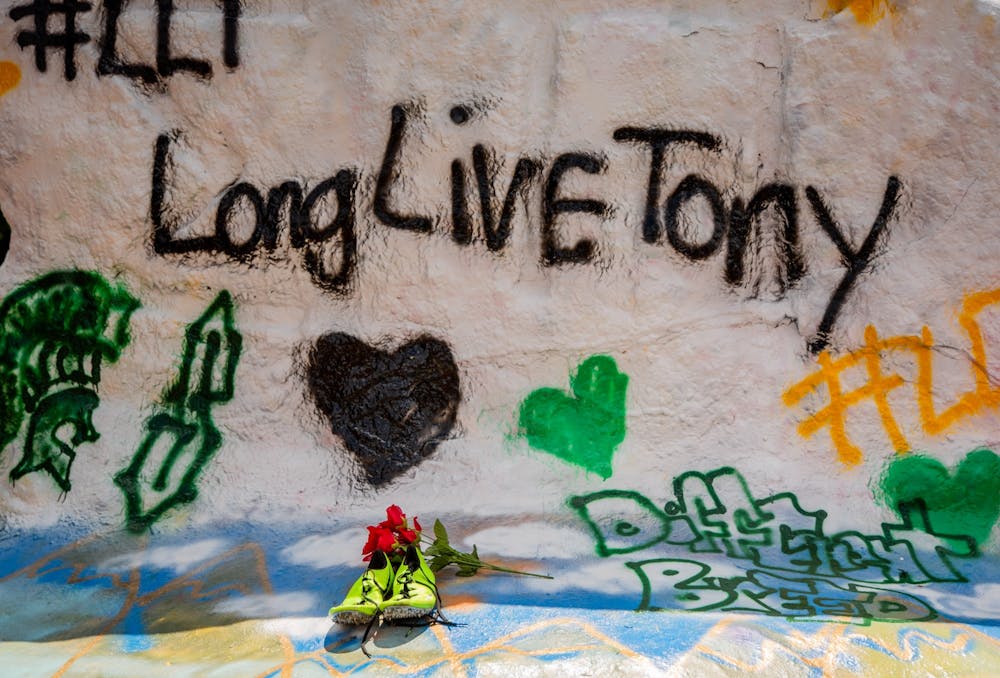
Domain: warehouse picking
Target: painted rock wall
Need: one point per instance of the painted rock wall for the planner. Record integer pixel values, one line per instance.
(674, 281)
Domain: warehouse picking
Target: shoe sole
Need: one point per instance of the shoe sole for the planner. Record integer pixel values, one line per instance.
(352, 618)
(405, 612)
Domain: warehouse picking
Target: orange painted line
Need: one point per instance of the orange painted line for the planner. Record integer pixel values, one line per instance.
(971, 630)
(190, 579)
(10, 76)
(501, 645)
(289, 650)
(970, 403)
(288, 665)
(800, 390)
(866, 12)
(909, 652)
(32, 570)
(133, 591)
(833, 416)
(450, 655)
(770, 650)
(973, 306)
(880, 387)
(837, 643)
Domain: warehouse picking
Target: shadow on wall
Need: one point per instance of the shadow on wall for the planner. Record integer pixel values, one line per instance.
(140, 586)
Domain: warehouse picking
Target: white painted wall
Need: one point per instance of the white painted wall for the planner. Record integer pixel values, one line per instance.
(795, 97)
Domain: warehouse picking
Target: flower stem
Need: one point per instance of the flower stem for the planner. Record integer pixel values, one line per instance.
(497, 568)
(456, 557)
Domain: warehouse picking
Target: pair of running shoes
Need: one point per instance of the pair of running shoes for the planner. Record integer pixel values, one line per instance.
(406, 595)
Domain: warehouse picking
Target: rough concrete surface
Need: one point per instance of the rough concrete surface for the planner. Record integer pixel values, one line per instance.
(691, 305)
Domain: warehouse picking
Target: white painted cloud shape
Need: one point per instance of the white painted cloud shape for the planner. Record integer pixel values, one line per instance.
(268, 605)
(531, 540)
(179, 558)
(319, 552)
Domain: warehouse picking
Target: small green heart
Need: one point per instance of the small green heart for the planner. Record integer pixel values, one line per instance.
(585, 429)
(966, 502)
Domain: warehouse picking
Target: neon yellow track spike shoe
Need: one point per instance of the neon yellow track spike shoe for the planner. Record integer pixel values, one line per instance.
(414, 591)
(365, 598)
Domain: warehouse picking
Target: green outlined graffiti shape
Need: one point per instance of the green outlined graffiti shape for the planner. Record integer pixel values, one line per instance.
(786, 563)
(678, 583)
(182, 438)
(55, 332)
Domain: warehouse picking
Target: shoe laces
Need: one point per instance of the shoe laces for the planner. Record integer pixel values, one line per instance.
(407, 582)
(367, 587)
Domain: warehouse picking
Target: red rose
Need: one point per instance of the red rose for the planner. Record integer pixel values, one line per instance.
(386, 540)
(369, 546)
(396, 517)
(392, 535)
(379, 539)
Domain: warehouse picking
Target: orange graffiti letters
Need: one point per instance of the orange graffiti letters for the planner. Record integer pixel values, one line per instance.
(984, 395)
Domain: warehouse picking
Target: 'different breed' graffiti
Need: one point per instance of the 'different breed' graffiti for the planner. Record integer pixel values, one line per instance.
(791, 566)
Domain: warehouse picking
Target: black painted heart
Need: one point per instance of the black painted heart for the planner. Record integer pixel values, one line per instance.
(391, 409)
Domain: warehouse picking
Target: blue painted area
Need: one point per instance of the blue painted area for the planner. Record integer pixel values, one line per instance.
(305, 645)
(659, 635)
(94, 563)
(135, 638)
(20, 549)
(849, 662)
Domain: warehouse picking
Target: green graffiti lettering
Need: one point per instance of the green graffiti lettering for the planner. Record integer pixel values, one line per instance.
(675, 585)
(964, 502)
(681, 584)
(44, 449)
(623, 521)
(180, 441)
(716, 514)
(821, 600)
(914, 535)
(724, 513)
(852, 556)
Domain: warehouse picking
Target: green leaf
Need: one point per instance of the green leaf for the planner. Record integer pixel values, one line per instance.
(441, 554)
(466, 570)
(438, 563)
(440, 532)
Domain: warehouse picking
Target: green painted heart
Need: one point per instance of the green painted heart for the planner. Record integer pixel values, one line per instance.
(585, 428)
(966, 502)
